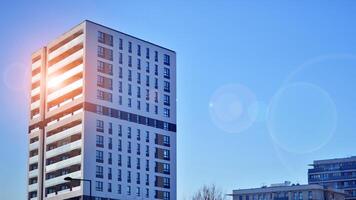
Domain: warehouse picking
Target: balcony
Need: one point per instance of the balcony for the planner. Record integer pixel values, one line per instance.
(55, 124)
(33, 159)
(32, 187)
(66, 47)
(33, 173)
(60, 179)
(64, 163)
(35, 77)
(36, 64)
(35, 91)
(68, 88)
(35, 104)
(66, 133)
(63, 149)
(34, 145)
(75, 56)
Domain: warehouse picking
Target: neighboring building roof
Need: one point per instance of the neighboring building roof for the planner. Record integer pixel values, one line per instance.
(284, 188)
(335, 160)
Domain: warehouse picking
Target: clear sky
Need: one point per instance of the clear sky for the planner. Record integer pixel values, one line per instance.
(264, 88)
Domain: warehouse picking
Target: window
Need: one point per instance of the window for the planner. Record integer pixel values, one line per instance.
(128, 176)
(156, 70)
(156, 83)
(119, 130)
(138, 164)
(109, 173)
(105, 96)
(147, 67)
(120, 72)
(138, 178)
(110, 143)
(129, 147)
(166, 73)
(166, 86)
(120, 43)
(110, 158)
(138, 92)
(129, 92)
(156, 96)
(130, 47)
(119, 148)
(147, 179)
(166, 100)
(310, 195)
(139, 50)
(166, 59)
(99, 156)
(138, 63)
(138, 77)
(130, 61)
(147, 165)
(147, 94)
(104, 67)
(138, 105)
(119, 175)
(166, 168)
(99, 186)
(166, 112)
(120, 86)
(99, 172)
(147, 193)
(105, 38)
(147, 150)
(99, 141)
(120, 100)
(147, 107)
(119, 160)
(109, 187)
(129, 132)
(147, 136)
(147, 53)
(147, 80)
(110, 128)
(166, 195)
(105, 53)
(156, 56)
(119, 188)
(104, 82)
(128, 190)
(99, 125)
(166, 183)
(166, 154)
(138, 149)
(138, 192)
(166, 140)
(120, 58)
(130, 75)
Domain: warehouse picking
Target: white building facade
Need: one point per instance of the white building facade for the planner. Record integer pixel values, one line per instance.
(103, 108)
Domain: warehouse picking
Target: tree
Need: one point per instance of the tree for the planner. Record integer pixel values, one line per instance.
(209, 192)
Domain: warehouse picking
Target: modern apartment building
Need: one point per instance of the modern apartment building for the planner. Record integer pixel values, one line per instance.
(337, 173)
(102, 108)
(286, 191)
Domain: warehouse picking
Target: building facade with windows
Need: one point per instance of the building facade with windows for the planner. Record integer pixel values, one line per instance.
(339, 173)
(102, 107)
(286, 191)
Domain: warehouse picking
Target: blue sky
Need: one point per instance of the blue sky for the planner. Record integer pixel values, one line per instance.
(264, 88)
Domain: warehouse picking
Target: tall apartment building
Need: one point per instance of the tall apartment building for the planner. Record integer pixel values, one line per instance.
(102, 108)
(286, 191)
(337, 173)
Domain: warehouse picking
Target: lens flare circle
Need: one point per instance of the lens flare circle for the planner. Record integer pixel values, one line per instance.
(16, 76)
(229, 107)
(301, 118)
